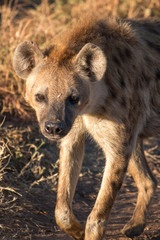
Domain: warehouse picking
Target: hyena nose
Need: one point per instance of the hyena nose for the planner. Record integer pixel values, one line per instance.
(54, 128)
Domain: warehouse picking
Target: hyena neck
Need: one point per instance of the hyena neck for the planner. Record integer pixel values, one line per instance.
(97, 97)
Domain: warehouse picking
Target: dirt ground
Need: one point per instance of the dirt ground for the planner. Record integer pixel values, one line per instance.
(27, 202)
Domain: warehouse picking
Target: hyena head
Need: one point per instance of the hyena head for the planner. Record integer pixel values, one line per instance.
(58, 91)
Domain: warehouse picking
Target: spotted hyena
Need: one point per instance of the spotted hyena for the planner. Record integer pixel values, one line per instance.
(102, 77)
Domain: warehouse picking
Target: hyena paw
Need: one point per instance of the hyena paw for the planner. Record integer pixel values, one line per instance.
(132, 229)
(67, 221)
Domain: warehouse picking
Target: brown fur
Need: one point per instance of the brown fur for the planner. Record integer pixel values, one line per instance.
(101, 77)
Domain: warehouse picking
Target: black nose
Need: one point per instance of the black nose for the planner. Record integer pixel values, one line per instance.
(54, 128)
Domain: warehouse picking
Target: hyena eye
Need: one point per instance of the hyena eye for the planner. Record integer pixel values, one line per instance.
(73, 99)
(40, 97)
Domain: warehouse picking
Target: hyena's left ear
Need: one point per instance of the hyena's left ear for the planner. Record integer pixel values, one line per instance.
(91, 62)
(26, 56)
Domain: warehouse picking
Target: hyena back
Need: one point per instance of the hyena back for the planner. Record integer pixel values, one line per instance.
(101, 77)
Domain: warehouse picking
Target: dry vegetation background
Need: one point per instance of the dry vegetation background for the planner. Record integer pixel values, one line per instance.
(28, 163)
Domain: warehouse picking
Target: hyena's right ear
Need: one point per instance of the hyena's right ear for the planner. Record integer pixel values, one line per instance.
(26, 56)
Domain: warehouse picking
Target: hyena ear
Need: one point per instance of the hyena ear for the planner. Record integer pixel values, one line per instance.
(26, 56)
(91, 61)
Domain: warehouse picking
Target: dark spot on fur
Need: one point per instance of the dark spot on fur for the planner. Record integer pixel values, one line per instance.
(124, 54)
(146, 189)
(122, 82)
(118, 171)
(123, 102)
(116, 60)
(125, 168)
(121, 54)
(134, 66)
(128, 53)
(100, 215)
(99, 221)
(127, 155)
(103, 109)
(48, 51)
(112, 92)
(116, 185)
(158, 74)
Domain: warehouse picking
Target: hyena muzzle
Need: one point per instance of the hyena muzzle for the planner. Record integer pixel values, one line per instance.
(102, 77)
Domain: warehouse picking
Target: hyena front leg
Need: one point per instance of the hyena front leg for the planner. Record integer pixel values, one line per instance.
(70, 162)
(115, 169)
(146, 185)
